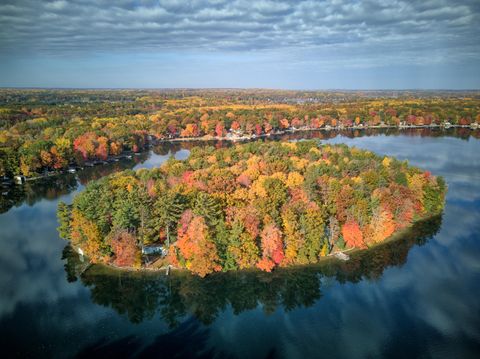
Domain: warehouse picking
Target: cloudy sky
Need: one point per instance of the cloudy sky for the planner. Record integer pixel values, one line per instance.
(243, 43)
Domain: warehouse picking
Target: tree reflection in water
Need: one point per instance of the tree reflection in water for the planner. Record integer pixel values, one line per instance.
(141, 295)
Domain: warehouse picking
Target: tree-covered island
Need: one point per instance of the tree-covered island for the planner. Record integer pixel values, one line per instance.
(253, 205)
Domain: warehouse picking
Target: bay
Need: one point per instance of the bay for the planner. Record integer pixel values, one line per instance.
(416, 296)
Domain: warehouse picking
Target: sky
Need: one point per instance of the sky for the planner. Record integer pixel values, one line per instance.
(294, 44)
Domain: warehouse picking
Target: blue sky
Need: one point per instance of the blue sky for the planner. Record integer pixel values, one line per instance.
(340, 44)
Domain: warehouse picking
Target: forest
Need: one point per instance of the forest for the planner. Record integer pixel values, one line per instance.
(46, 131)
(255, 205)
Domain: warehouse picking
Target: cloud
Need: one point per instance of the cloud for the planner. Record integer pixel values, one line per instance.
(396, 29)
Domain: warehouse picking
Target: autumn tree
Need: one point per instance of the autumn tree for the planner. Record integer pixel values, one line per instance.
(353, 234)
(220, 129)
(272, 247)
(197, 248)
(125, 249)
(85, 145)
(86, 235)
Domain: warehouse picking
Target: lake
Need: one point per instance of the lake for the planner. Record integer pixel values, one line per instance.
(417, 296)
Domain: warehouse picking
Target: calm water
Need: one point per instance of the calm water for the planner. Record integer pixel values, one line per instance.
(416, 297)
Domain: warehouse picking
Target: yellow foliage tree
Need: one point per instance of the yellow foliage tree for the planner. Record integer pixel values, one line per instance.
(85, 235)
(294, 179)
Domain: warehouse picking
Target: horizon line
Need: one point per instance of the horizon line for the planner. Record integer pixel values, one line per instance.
(234, 88)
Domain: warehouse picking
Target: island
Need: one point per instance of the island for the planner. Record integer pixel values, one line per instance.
(254, 205)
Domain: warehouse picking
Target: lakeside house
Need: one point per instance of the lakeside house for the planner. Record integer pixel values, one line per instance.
(154, 249)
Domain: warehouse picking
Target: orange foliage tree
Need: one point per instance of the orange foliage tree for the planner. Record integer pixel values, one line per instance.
(197, 248)
(352, 234)
(381, 226)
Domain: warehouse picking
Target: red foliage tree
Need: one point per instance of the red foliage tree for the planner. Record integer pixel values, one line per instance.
(244, 180)
(220, 129)
(235, 126)
(124, 247)
(258, 129)
(85, 144)
(315, 123)
(272, 246)
(296, 122)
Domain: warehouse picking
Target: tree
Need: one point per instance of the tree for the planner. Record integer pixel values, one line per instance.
(353, 235)
(197, 248)
(258, 129)
(86, 235)
(58, 159)
(244, 249)
(267, 127)
(272, 247)
(284, 124)
(220, 129)
(275, 197)
(333, 231)
(125, 249)
(294, 237)
(191, 130)
(85, 144)
(9, 162)
(208, 207)
(294, 179)
(381, 226)
(168, 210)
(313, 225)
(235, 126)
(102, 148)
(126, 214)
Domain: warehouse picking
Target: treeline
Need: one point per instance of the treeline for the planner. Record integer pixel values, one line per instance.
(253, 205)
(46, 130)
(141, 296)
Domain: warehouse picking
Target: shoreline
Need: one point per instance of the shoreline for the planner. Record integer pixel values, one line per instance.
(296, 130)
(167, 270)
(207, 138)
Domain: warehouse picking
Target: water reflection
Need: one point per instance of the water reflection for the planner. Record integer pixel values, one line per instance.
(404, 300)
(141, 295)
(53, 187)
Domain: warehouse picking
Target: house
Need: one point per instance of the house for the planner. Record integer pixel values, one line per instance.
(154, 250)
